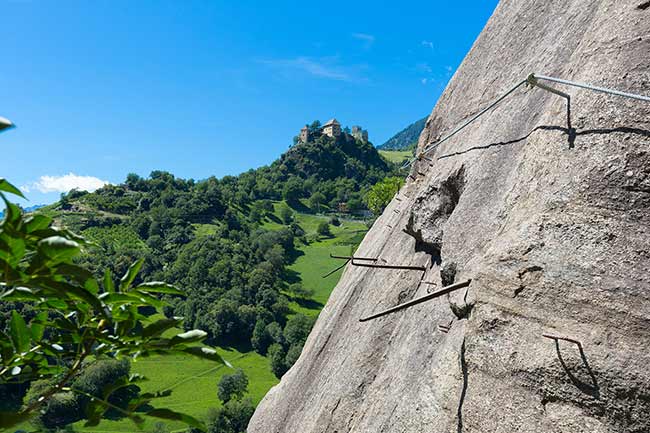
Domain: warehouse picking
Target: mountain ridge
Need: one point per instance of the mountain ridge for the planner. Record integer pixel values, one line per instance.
(407, 138)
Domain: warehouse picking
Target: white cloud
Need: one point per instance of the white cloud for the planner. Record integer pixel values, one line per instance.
(367, 39)
(326, 67)
(424, 81)
(428, 44)
(65, 183)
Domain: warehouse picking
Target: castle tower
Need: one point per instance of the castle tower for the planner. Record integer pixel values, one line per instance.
(360, 133)
(332, 128)
(304, 134)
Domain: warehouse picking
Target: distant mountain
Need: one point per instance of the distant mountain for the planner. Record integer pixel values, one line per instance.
(407, 138)
(27, 209)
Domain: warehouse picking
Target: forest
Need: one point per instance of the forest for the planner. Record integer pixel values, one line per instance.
(209, 238)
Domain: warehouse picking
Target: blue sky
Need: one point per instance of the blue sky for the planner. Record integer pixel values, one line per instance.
(100, 89)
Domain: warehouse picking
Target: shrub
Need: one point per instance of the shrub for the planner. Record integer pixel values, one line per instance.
(232, 386)
(286, 215)
(233, 417)
(323, 229)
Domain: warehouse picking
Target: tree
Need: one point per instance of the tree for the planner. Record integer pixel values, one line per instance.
(316, 200)
(275, 256)
(277, 354)
(132, 180)
(68, 407)
(232, 386)
(292, 190)
(323, 229)
(261, 338)
(286, 214)
(297, 329)
(315, 125)
(64, 201)
(232, 417)
(378, 197)
(86, 321)
(293, 354)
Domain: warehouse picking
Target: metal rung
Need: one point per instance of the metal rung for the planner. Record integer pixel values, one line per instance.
(372, 259)
(368, 265)
(419, 300)
(594, 88)
(570, 340)
(334, 270)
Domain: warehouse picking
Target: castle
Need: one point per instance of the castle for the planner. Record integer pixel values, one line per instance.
(332, 128)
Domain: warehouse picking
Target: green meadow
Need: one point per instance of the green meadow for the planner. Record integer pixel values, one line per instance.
(396, 156)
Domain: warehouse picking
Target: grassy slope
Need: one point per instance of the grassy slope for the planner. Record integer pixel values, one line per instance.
(316, 262)
(194, 382)
(396, 156)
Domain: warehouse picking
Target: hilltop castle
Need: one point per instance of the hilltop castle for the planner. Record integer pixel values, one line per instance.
(332, 128)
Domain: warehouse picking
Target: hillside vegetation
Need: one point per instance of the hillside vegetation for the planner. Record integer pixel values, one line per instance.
(248, 250)
(407, 138)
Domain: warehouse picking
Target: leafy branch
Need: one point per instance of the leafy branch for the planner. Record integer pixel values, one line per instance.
(78, 318)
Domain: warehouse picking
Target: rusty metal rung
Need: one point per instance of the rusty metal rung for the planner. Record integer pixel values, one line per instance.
(332, 271)
(419, 300)
(373, 259)
(555, 337)
(368, 265)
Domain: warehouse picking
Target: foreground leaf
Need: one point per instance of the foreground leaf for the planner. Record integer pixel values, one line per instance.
(206, 353)
(58, 248)
(7, 187)
(19, 332)
(159, 287)
(130, 275)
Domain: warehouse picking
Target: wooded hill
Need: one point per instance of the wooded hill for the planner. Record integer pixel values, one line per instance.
(208, 236)
(407, 138)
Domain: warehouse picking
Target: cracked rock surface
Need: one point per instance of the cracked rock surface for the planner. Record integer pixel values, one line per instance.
(550, 221)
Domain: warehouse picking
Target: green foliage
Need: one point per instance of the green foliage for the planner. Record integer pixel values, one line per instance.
(292, 190)
(324, 229)
(276, 354)
(297, 329)
(382, 193)
(293, 354)
(86, 318)
(67, 407)
(316, 200)
(286, 214)
(232, 386)
(288, 344)
(211, 238)
(233, 417)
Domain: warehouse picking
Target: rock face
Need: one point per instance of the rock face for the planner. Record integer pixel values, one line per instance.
(551, 224)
